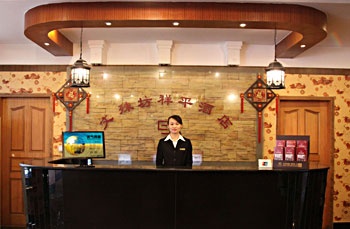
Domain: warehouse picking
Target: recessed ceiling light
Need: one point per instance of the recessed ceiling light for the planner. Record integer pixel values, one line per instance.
(242, 25)
(46, 44)
(302, 46)
(108, 23)
(175, 23)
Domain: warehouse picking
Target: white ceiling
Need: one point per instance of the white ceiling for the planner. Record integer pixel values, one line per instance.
(12, 26)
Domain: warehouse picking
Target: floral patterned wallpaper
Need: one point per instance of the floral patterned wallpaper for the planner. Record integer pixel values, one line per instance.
(328, 86)
(337, 86)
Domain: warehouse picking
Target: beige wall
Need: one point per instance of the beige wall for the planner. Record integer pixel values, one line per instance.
(136, 131)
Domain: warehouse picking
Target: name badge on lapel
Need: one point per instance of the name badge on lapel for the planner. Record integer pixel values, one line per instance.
(182, 149)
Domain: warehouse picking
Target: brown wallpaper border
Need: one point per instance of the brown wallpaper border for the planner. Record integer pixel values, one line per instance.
(62, 68)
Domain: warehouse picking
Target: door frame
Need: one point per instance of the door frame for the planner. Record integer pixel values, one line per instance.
(2, 97)
(330, 105)
(329, 100)
(1, 114)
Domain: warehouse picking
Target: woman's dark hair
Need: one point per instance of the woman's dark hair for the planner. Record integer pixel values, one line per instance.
(176, 117)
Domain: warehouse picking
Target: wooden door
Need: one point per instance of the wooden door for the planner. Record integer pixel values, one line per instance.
(314, 117)
(26, 138)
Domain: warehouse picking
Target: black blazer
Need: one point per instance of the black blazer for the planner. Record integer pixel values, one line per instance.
(169, 156)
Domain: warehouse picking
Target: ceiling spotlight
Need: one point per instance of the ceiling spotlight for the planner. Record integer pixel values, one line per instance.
(175, 23)
(242, 25)
(302, 46)
(47, 44)
(108, 23)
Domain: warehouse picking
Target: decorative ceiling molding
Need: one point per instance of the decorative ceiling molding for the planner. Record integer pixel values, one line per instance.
(306, 25)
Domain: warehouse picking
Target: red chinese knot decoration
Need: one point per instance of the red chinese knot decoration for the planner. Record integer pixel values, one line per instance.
(70, 97)
(259, 96)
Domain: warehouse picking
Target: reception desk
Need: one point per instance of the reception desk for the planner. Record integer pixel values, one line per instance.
(141, 196)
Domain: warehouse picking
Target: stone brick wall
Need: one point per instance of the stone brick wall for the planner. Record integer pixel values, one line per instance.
(135, 129)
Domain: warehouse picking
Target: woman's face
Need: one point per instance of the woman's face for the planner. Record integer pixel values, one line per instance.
(174, 126)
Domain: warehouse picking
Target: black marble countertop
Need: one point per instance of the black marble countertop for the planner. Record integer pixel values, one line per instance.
(149, 165)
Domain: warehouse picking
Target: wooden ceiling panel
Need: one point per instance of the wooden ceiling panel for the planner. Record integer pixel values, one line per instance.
(307, 25)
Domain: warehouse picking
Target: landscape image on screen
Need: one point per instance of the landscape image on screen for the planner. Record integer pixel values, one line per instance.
(83, 144)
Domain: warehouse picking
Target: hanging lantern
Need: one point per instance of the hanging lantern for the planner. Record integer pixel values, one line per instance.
(275, 75)
(80, 71)
(80, 74)
(275, 72)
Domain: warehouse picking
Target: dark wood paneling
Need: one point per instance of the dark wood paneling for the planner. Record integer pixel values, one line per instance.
(33, 68)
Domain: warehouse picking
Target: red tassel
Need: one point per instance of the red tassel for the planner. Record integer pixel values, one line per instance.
(277, 102)
(70, 120)
(242, 103)
(88, 103)
(53, 102)
(259, 126)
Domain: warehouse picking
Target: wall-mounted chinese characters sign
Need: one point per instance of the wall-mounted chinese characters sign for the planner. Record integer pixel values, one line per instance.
(225, 121)
(125, 107)
(205, 108)
(163, 126)
(185, 101)
(165, 99)
(105, 121)
(144, 102)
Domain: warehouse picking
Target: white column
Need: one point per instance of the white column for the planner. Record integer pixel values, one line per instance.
(97, 52)
(164, 51)
(233, 52)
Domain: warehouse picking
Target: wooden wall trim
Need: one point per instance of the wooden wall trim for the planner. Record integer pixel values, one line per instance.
(34, 95)
(34, 68)
(316, 71)
(63, 68)
(308, 98)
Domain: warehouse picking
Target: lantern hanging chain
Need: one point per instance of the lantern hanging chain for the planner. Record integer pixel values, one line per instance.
(81, 42)
(275, 40)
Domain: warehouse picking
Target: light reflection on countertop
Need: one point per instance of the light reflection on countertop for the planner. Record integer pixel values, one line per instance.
(150, 165)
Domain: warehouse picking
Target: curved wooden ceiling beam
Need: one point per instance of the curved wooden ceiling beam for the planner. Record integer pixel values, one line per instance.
(307, 25)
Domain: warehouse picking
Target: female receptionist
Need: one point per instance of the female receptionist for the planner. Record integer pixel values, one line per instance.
(174, 150)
